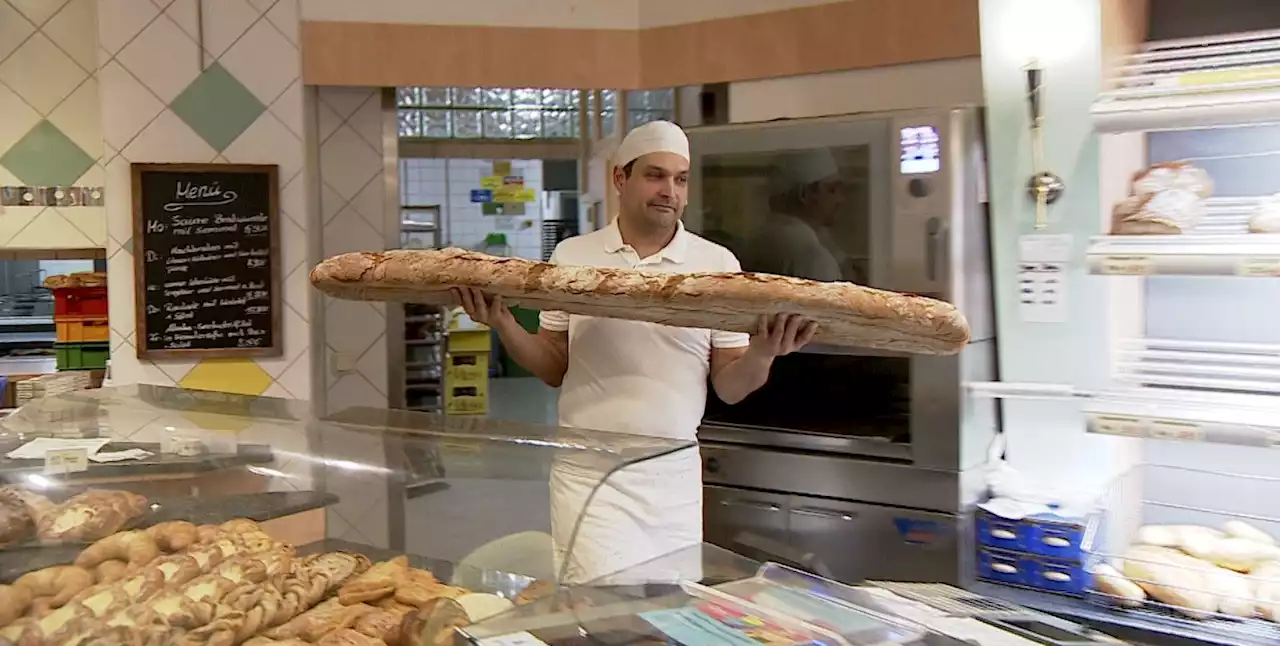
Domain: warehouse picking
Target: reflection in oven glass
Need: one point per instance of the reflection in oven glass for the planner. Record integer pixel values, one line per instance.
(827, 394)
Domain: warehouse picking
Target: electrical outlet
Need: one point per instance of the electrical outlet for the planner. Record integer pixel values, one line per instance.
(344, 362)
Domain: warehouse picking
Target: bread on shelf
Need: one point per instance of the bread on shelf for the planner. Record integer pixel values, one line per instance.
(1266, 216)
(1164, 199)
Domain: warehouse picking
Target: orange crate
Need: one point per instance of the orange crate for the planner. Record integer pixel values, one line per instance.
(89, 330)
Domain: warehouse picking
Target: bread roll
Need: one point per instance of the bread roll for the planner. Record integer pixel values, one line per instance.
(1164, 213)
(1167, 176)
(1170, 578)
(1239, 554)
(1241, 529)
(1111, 582)
(1266, 216)
(1235, 592)
(1175, 535)
(847, 314)
(1267, 579)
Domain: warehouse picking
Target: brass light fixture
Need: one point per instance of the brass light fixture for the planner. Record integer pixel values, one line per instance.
(1044, 186)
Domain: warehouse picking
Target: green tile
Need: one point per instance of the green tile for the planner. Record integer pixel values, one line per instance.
(217, 106)
(46, 157)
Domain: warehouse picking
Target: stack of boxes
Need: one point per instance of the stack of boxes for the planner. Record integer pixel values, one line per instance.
(80, 316)
(466, 366)
(1043, 552)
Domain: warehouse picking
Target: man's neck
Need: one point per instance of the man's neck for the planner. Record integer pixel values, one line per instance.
(645, 241)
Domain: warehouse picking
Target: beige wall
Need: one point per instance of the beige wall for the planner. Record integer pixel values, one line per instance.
(560, 14)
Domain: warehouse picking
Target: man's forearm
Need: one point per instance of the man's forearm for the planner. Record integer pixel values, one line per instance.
(741, 377)
(542, 356)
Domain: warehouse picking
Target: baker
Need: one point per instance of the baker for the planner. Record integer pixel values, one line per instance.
(806, 198)
(636, 377)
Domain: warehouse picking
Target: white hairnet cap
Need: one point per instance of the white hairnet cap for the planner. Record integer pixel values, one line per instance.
(802, 169)
(652, 137)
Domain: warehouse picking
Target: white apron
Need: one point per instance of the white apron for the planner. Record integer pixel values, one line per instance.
(639, 514)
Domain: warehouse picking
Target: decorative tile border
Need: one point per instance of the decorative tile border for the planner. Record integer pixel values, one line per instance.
(59, 196)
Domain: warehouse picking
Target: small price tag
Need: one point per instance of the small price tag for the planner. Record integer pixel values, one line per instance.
(1167, 429)
(1259, 266)
(514, 639)
(63, 461)
(1118, 425)
(1128, 266)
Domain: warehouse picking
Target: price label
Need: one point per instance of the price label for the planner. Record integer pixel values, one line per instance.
(1259, 266)
(1118, 425)
(1128, 266)
(63, 461)
(1168, 429)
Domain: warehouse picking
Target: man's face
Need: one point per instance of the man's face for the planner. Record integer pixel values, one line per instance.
(825, 199)
(657, 190)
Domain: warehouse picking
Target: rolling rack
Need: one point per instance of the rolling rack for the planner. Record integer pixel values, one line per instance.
(424, 325)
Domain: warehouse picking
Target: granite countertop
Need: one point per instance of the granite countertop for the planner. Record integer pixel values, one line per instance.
(160, 463)
(259, 507)
(1140, 626)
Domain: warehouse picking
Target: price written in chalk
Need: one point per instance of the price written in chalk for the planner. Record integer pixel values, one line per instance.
(207, 259)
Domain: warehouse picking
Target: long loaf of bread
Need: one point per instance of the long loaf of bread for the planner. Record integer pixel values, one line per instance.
(847, 314)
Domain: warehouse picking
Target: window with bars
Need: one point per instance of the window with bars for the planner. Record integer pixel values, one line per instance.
(487, 113)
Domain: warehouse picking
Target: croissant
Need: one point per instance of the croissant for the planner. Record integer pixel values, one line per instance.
(135, 547)
(174, 535)
(110, 571)
(59, 583)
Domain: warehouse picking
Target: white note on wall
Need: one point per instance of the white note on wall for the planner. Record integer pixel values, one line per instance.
(1042, 277)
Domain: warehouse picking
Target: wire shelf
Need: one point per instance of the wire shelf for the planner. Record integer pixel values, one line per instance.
(1162, 495)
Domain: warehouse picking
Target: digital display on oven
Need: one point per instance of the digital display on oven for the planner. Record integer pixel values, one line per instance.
(920, 150)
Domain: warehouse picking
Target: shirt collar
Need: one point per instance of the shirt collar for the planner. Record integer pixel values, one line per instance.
(675, 251)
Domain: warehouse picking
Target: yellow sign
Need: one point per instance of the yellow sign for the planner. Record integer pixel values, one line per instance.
(491, 182)
(513, 195)
(501, 168)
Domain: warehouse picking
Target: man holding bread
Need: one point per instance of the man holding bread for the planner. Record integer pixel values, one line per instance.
(636, 377)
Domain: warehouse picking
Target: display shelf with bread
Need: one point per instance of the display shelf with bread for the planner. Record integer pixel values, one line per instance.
(1168, 546)
(1204, 82)
(1170, 225)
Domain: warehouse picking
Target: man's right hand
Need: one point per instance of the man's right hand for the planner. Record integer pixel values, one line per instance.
(490, 312)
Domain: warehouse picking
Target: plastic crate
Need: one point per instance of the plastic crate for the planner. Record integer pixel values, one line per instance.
(86, 330)
(82, 356)
(80, 301)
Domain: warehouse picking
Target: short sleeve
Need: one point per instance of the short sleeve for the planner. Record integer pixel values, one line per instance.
(553, 320)
(719, 338)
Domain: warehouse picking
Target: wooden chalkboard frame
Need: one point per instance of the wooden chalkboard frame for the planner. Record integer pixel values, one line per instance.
(272, 171)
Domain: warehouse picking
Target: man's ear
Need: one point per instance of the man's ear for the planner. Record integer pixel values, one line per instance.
(619, 178)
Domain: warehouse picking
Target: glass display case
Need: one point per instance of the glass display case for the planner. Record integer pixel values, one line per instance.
(155, 515)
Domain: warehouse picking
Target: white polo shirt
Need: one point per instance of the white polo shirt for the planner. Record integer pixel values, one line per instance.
(634, 377)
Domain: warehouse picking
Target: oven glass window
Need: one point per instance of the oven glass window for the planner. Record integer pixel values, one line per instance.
(797, 213)
(805, 213)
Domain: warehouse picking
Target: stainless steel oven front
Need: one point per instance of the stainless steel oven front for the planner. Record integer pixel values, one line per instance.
(895, 201)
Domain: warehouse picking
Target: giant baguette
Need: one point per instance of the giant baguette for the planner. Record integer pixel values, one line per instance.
(847, 314)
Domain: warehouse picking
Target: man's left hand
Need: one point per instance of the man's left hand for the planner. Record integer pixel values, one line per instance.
(781, 334)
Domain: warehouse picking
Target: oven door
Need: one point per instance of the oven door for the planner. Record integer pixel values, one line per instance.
(808, 199)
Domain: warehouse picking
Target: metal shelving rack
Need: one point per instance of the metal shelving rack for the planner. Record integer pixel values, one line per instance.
(425, 331)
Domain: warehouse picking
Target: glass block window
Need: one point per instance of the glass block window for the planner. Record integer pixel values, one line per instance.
(644, 106)
(487, 113)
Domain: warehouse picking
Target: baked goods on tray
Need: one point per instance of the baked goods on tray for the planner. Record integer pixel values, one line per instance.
(77, 279)
(847, 314)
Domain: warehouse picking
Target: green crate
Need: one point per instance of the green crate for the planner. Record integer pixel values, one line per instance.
(82, 356)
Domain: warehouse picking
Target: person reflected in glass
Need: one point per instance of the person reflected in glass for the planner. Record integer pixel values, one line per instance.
(806, 196)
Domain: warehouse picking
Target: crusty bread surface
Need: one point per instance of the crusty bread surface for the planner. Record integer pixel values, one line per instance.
(847, 314)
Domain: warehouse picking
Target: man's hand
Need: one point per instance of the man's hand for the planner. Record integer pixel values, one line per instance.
(482, 310)
(781, 334)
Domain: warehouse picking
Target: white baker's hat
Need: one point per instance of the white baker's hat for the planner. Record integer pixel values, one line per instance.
(802, 169)
(652, 137)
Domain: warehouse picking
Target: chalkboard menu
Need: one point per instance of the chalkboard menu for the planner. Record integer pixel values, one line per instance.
(206, 265)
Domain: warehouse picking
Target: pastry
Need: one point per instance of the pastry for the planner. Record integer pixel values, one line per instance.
(435, 623)
(1266, 216)
(14, 602)
(382, 624)
(321, 620)
(177, 569)
(174, 535)
(136, 548)
(57, 584)
(77, 279)
(15, 520)
(420, 586)
(110, 570)
(1165, 213)
(379, 581)
(90, 516)
(349, 637)
(847, 314)
(337, 567)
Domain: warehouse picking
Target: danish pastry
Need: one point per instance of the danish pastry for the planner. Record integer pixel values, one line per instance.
(136, 548)
(174, 535)
(379, 581)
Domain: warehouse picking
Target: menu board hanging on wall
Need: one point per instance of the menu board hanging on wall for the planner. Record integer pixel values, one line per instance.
(206, 260)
